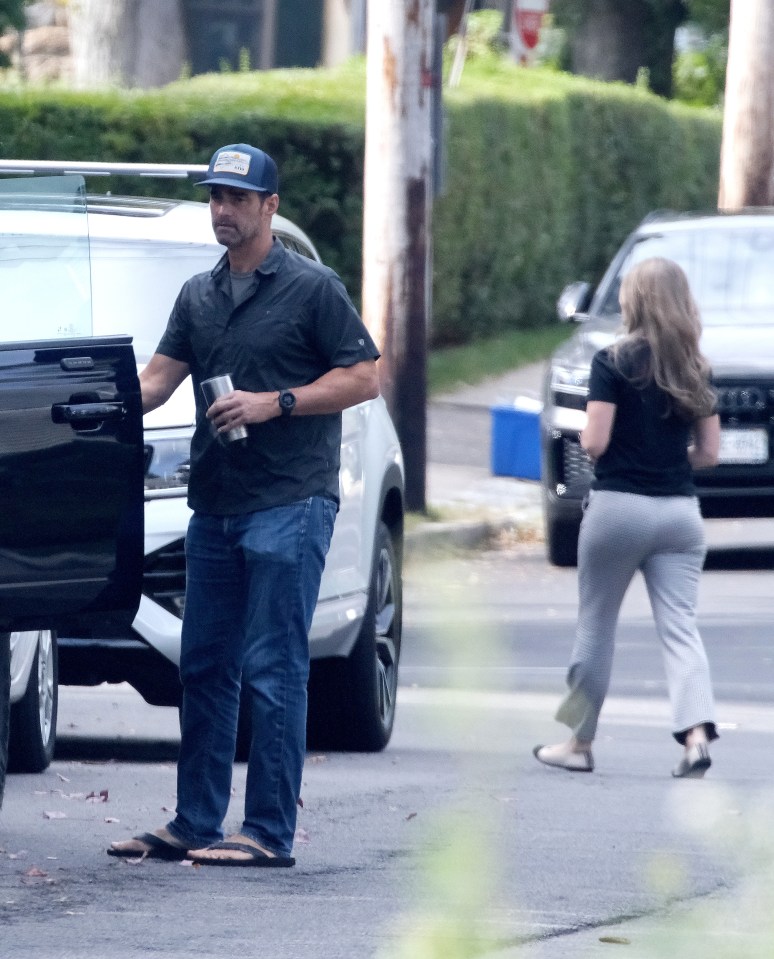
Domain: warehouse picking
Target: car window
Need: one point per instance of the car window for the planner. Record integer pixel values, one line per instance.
(728, 268)
(293, 243)
(304, 250)
(135, 284)
(44, 259)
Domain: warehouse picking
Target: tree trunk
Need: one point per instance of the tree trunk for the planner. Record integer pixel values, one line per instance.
(660, 29)
(131, 43)
(609, 43)
(615, 38)
(453, 9)
(747, 151)
(396, 217)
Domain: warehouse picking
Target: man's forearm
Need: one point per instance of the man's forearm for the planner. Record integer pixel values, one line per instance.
(159, 380)
(338, 389)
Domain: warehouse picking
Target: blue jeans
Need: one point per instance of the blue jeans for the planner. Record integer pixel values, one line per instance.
(252, 585)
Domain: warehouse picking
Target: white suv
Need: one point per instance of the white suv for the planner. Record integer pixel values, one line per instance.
(141, 250)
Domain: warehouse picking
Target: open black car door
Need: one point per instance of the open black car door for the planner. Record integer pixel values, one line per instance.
(71, 442)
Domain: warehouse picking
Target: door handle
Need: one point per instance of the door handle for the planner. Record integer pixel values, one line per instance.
(86, 415)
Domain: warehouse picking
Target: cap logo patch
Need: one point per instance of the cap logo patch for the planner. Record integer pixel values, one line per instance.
(232, 161)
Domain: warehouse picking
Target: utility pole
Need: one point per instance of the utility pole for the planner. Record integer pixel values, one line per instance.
(747, 151)
(397, 194)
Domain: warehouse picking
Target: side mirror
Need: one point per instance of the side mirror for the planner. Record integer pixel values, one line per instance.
(574, 299)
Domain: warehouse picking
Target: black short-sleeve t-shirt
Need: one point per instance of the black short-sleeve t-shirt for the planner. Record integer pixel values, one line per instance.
(296, 325)
(648, 449)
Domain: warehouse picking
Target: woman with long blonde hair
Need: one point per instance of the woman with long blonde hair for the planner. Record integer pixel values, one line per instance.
(651, 422)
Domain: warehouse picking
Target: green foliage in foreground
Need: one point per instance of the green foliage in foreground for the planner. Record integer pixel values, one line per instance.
(545, 173)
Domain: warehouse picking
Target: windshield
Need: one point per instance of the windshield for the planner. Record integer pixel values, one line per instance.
(729, 268)
(45, 275)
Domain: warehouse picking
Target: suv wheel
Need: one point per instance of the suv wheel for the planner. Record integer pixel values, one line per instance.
(561, 541)
(352, 700)
(5, 705)
(33, 717)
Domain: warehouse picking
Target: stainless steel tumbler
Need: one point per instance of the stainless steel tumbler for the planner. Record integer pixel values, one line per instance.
(218, 386)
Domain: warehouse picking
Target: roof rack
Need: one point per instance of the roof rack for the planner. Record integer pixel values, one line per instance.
(85, 168)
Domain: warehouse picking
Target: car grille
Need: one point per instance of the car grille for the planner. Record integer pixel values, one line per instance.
(164, 577)
(743, 403)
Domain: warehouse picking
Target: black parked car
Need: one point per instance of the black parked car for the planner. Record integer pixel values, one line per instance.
(729, 260)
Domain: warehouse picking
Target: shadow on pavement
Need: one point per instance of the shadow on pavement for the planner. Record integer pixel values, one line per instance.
(740, 557)
(83, 749)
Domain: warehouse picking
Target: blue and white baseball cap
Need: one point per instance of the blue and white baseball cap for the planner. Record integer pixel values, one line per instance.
(242, 166)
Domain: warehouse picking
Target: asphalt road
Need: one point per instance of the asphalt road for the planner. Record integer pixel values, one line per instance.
(454, 841)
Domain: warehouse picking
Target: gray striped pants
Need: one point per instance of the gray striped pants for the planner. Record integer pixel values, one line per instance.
(664, 538)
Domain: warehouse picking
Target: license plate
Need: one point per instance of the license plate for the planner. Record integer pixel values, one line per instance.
(744, 446)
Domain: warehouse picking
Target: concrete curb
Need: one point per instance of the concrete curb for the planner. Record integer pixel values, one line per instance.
(428, 538)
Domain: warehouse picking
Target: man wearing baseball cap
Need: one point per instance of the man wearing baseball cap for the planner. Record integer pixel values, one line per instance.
(283, 327)
(243, 167)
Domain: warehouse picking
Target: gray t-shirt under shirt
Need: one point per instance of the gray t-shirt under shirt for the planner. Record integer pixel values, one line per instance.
(242, 285)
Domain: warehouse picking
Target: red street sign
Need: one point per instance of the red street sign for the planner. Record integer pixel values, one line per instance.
(528, 15)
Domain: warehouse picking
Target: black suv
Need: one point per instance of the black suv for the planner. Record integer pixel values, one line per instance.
(729, 260)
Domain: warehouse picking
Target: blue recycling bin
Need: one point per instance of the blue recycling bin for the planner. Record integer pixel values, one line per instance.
(515, 443)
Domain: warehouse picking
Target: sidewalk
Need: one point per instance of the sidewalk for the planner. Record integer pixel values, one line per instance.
(474, 506)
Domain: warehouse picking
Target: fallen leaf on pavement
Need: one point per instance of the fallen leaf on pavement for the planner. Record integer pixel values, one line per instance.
(411, 815)
(54, 815)
(34, 873)
(616, 940)
(101, 796)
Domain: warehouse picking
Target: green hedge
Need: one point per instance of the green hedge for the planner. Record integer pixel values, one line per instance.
(546, 176)
(318, 144)
(545, 173)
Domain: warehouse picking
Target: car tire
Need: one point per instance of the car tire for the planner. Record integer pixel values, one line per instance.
(33, 718)
(561, 542)
(5, 705)
(352, 699)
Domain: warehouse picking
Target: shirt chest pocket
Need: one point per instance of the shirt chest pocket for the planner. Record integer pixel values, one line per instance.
(270, 332)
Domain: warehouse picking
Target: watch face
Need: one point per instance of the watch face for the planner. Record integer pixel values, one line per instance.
(286, 400)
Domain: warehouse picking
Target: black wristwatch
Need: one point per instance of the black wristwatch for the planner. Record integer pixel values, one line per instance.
(287, 402)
